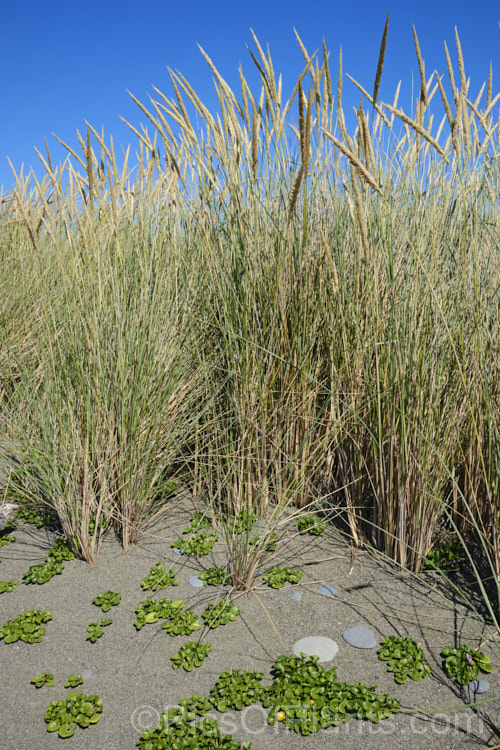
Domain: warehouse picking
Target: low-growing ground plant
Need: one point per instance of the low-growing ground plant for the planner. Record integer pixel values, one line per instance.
(78, 710)
(445, 556)
(236, 689)
(43, 572)
(310, 524)
(465, 663)
(197, 522)
(190, 655)
(199, 543)
(45, 678)
(177, 729)
(73, 681)
(307, 698)
(38, 518)
(151, 610)
(404, 658)
(220, 613)
(6, 586)
(270, 541)
(6, 539)
(215, 576)
(279, 577)
(95, 629)
(159, 578)
(242, 523)
(182, 623)
(107, 600)
(26, 626)
(52, 566)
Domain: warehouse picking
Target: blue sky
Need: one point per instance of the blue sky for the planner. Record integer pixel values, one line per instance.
(64, 62)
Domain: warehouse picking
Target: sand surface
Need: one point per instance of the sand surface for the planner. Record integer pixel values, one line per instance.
(132, 673)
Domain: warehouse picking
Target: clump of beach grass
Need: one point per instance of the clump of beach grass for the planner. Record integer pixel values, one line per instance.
(267, 309)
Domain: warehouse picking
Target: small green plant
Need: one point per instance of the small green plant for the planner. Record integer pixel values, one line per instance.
(26, 626)
(43, 572)
(405, 658)
(61, 551)
(183, 623)
(308, 698)
(95, 629)
(236, 689)
(73, 681)
(6, 586)
(220, 613)
(107, 600)
(242, 523)
(196, 705)
(445, 556)
(159, 578)
(270, 541)
(496, 611)
(464, 663)
(45, 678)
(78, 710)
(6, 539)
(151, 611)
(214, 576)
(200, 543)
(197, 521)
(310, 524)
(176, 729)
(190, 655)
(36, 517)
(278, 577)
(52, 566)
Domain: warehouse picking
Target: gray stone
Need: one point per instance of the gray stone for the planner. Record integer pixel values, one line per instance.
(327, 590)
(479, 686)
(177, 551)
(196, 582)
(316, 645)
(294, 594)
(359, 637)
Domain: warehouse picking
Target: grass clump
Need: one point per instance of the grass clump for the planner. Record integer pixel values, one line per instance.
(266, 309)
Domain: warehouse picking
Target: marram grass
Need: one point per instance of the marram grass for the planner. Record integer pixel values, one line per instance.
(267, 309)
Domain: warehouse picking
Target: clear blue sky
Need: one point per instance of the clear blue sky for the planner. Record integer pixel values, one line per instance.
(65, 62)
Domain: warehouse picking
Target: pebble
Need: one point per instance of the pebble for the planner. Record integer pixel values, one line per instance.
(359, 637)
(316, 645)
(177, 551)
(327, 590)
(479, 686)
(196, 582)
